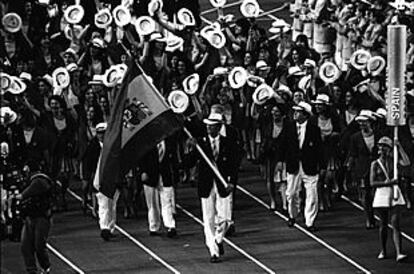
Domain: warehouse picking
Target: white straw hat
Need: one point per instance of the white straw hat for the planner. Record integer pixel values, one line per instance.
(365, 115)
(237, 77)
(122, 16)
(376, 65)
(214, 119)
(303, 106)
(61, 78)
(178, 101)
(17, 85)
(359, 59)
(5, 82)
(218, 3)
(101, 127)
(186, 17)
(12, 22)
(217, 39)
(7, 116)
(262, 93)
(103, 18)
(154, 6)
(145, 25)
(322, 99)
(26, 76)
(111, 76)
(329, 72)
(174, 43)
(191, 83)
(74, 14)
(250, 8)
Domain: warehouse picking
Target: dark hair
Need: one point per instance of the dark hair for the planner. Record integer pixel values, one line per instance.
(28, 119)
(304, 39)
(97, 114)
(244, 24)
(301, 52)
(60, 101)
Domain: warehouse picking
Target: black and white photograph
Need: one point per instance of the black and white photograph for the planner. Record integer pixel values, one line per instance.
(207, 136)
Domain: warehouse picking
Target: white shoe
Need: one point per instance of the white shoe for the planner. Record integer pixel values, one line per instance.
(381, 256)
(400, 257)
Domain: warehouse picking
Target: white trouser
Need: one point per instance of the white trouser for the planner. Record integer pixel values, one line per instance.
(294, 185)
(153, 197)
(216, 218)
(107, 210)
(3, 194)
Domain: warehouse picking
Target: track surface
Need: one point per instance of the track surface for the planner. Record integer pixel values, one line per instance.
(262, 244)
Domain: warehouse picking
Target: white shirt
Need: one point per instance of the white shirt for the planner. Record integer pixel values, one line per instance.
(216, 142)
(28, 134)
(301, 132)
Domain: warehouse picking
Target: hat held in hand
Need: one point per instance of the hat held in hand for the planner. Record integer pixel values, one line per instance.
(359, 59)
(263, 93)
(191, 83)
(122, 16)
(237, 77)
(376, 65)
(103, 18)
(12, 22)
(186, 17)
(154, 6)
(178, 101)
(145, 25)
(74, 14)
(329, 72)
(250, 8)
(61, 78)
(218, 3)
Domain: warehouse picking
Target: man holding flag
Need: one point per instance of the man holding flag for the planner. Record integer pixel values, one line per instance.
(214, 193)
(140, 119)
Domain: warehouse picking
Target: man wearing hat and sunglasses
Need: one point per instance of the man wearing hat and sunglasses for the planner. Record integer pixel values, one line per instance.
(215, 197)
(300, 151)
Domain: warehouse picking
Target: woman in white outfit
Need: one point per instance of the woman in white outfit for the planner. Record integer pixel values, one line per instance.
(388, 198)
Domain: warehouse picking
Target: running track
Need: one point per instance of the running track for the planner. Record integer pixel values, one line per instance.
(263, 243)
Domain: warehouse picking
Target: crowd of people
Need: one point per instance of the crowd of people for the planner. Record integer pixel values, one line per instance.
(306, 102)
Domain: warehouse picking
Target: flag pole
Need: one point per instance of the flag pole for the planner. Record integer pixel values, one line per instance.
(187, 132)
(395, 99)
(207, 160)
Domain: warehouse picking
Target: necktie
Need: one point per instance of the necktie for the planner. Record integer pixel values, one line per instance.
(215, 149)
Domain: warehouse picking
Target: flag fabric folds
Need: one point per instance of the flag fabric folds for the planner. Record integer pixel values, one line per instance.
(140, 119)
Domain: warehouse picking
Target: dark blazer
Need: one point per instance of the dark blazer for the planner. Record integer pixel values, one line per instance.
(360, 157)
(310, 152)
(168, 168)
(38, 148)
(270, 148)
(90, 159)
(227, 163)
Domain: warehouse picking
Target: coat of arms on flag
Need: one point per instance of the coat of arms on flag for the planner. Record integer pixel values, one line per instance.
(140, 119)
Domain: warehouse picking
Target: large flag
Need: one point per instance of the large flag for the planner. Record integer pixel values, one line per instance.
(140, 119)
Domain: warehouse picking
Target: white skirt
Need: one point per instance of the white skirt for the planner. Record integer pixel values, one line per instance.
(388, 196)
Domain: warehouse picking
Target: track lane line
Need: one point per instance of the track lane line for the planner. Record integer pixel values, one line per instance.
(63, 258)
(134, 240)
(230, 243)
(311, 235)
(345, 198)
